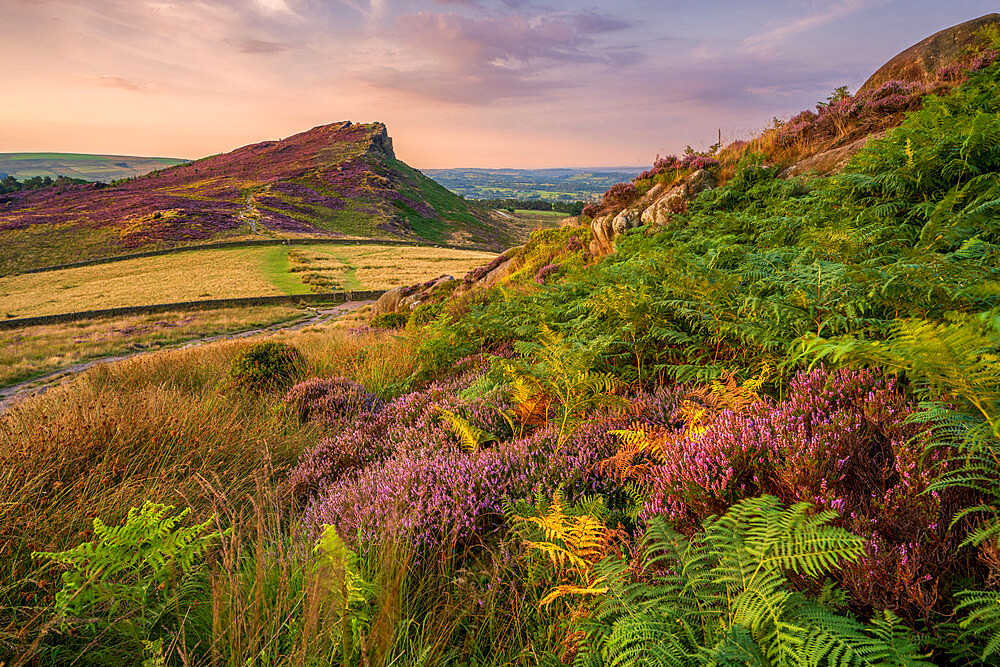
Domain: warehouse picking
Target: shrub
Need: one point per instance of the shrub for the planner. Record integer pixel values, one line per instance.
(546, 271)
(619, 196)
(388, 321)
(270, 365)
(328, 401)
(574, 244)
(840, 440)
(439, 495)
(424, 314)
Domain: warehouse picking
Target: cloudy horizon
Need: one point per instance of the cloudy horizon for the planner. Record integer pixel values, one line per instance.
(460, 83)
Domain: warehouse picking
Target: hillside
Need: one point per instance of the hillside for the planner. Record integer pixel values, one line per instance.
(341, 179)
(104, 168)
(743, 411)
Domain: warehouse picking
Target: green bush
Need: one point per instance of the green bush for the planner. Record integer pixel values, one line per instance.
(424, 314)
(388, 321)
(267, 365)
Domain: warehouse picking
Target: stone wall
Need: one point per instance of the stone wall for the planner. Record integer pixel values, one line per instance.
(330, 297)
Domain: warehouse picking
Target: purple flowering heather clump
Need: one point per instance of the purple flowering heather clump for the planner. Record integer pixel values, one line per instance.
(951, 73)
(546, 271)
(574, 244)
(841, 440)
(444, 496)
(984, 60)
(410, 422)
(694, 162)
(306, 195)
(328, 401)
(620, 195)
(477, 274)
(286, 223)
(818, 445)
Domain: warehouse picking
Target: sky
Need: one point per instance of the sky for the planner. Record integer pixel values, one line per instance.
(459, 83)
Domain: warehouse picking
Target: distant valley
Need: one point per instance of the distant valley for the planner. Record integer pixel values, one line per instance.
(562, 185)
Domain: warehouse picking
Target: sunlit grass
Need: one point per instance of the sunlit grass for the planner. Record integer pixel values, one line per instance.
(223, 273)
(31, 351)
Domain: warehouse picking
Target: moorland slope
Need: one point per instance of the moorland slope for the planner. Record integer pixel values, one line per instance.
(341, 179)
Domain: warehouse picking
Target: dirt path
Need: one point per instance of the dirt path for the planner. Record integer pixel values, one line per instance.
(18, 392)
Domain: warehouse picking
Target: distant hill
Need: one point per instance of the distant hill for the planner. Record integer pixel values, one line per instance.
(80, 165)
(547, 184)
(341, 179)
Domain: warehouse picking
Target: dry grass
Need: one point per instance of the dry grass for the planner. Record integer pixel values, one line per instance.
(32, 351)
(160, 427)
(384, 267)
(225, 273)
(203, 274)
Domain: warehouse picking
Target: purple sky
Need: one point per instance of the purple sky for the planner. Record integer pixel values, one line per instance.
(508, 83)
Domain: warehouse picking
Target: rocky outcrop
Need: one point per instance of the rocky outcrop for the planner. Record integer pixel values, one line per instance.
(655, 208)
(405, 299)
(922, 61)
(828, 162)
(381, 142)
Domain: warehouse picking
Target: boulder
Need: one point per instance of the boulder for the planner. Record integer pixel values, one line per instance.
(828, 162)
(499, 273)
(699, 181)
(921, 62)
(628, 219)
(675, 200)
(391, 300)
(405, 299)
(603, 234)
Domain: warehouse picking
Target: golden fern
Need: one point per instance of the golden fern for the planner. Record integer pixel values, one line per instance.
(639, 445)
(471, 436)
(572, 545)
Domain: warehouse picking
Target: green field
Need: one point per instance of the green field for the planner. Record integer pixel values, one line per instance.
(566, 185)
(81, 165)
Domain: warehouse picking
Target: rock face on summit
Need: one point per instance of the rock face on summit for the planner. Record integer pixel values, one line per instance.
(921, 61)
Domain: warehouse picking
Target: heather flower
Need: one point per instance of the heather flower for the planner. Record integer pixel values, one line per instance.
(573, 243)
(620, 195)
(842, 441)
(984, 59)
(327, 401)
(546, 271)
(435, 494)
(694, 162)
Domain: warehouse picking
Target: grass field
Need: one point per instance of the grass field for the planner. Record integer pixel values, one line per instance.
(79, 165)
(541, 214)
(226, 273)
(32, 351)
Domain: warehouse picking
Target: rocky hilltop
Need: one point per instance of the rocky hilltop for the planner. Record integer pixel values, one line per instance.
(338, 180)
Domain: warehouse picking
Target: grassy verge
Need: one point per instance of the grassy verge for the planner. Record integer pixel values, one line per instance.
(32, 351)
(165, 427)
